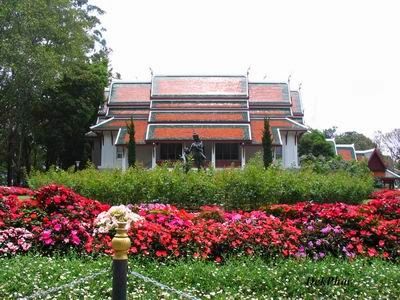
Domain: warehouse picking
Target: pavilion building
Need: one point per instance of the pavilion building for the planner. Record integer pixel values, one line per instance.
(227, 112)
(374, 159)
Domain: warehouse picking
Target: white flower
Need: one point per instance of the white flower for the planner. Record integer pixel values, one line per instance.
(108, 220)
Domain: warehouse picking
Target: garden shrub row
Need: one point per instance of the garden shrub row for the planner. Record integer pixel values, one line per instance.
(232, 188)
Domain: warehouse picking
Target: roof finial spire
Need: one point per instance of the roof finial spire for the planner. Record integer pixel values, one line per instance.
(151, 71)
(289, 78)
(300, 86)
(248, 71)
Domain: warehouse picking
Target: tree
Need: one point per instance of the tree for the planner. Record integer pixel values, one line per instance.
(360, 141)
(131, 144)
(267, 144)
(66, 111)
(41, 41)
(390, 142)
(314, 143)
(330, 133)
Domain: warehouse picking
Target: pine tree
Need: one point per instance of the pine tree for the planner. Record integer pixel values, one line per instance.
(131, 144)
(267, 144)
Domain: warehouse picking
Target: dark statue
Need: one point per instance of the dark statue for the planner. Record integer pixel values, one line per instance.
(197, 148)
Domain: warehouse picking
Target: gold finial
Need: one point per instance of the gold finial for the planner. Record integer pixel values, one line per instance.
(121, 242)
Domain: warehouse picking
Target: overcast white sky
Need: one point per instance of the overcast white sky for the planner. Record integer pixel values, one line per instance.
(346, 53)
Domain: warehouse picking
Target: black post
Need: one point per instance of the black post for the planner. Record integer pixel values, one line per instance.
(120, 276)
(120, 244)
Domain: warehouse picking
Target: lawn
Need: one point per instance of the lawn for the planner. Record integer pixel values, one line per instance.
(237, 278)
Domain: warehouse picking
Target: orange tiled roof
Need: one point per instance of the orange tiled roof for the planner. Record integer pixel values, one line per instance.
(347, 152)
(268, 93)
(165, 132)
(116, 124)
(206, 116)
(271, 112)
(296, 103)
(130, 92)
(197, 104)
(126, 112)
(199, 86)
(257, 128)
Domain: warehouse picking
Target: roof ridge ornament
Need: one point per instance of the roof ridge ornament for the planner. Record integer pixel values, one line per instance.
(248, 71)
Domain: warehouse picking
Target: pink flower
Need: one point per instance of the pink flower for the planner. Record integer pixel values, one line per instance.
(75, 239)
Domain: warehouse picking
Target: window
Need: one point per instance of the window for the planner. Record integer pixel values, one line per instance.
(278, 152)
(227, 151)
(170, 151)
(120, 152)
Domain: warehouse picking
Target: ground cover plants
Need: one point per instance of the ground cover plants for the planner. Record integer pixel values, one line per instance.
(232, 188)
(237, 278)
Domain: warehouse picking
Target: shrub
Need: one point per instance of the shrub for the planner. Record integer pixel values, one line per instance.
(232, 188)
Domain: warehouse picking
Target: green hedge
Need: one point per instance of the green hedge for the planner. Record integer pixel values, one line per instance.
(233, 188)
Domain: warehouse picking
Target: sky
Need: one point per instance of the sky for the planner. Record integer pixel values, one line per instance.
(345, 54)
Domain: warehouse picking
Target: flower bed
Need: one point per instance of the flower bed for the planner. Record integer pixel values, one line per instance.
(56, 218)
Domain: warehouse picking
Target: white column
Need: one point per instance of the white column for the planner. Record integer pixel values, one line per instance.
(153, 156)
(243, 154)
(213, 155)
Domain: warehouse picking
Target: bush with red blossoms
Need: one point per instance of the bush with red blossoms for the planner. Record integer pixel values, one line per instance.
(60, 219)
(14, 190)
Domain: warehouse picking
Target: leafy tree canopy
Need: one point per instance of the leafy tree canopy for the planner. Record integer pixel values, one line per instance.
(314, 143)
(360, 141)
(41, 44)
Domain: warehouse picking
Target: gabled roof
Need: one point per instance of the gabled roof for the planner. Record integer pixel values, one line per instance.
(113, 124)
(391, 174)
(199, 116)
(268, 93)
(182, 132)
(123, 93)
(277, 126)
(199, 86)
(271, 112)
(346, 151)
(198, 104)
(135, 113)
(297, 107)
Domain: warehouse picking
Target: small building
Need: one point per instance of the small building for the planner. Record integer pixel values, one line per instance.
(227, 112)
(374, 159)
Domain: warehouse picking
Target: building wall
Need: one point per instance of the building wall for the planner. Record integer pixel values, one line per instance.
(250, 151)
(96, 152)
(109, 152)
(290, 157)
(144, 152)
(143, 155)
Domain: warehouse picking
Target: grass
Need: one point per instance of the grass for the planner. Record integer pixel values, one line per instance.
(238, 278)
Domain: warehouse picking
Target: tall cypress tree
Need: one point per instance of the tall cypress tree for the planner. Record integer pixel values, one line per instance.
(131, 144)
(267, 144)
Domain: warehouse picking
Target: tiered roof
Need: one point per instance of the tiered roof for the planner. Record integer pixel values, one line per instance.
(172, 108)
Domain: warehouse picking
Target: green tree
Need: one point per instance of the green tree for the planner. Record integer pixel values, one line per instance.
(66, 111)
(41, 42)
(360, 141)
(314, 143)
(131, 144)
(267, 144)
